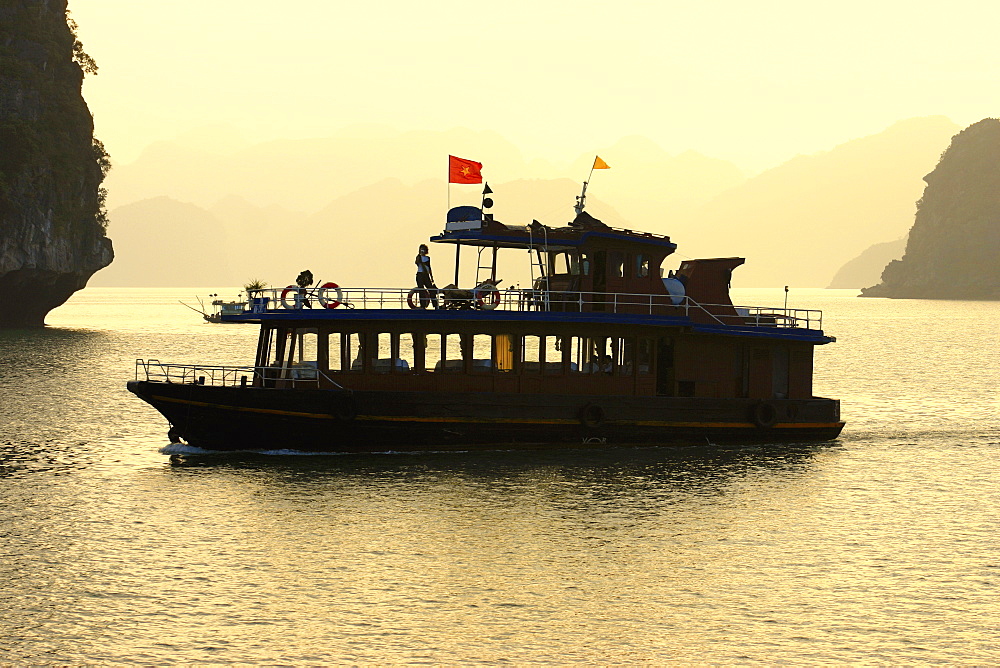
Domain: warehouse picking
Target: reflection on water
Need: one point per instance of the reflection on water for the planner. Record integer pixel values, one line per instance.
(878, 548)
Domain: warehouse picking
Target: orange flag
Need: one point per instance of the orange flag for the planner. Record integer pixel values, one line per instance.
(461, 170)
(600, 164)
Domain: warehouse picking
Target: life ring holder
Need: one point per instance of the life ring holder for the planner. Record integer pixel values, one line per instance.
(591, 415)
(487, 297)
(764, 414)
(321, 295)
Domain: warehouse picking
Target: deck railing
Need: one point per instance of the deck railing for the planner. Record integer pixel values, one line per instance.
(297, 375)
(513, 299)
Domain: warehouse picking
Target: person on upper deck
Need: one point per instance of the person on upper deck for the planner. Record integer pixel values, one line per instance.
(425, 277)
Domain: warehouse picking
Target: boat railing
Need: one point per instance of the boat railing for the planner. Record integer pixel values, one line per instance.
(515, 299)
(297, 375)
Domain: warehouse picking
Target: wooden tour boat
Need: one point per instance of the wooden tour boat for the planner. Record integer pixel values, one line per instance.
(600, 350)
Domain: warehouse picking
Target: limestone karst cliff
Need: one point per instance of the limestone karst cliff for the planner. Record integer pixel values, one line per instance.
(953, 251)
(52, 224)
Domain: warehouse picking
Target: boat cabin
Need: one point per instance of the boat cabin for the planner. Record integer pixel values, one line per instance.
(599, 318)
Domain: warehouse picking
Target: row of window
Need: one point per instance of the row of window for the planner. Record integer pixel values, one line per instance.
(386, 352)
(575, 264)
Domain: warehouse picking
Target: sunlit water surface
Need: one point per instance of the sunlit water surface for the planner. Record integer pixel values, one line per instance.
(878, 548)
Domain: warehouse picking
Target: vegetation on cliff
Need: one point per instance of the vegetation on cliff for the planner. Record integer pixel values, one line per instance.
(52, 237)
(954, 244)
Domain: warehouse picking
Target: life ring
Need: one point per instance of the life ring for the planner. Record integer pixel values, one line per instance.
(591, 415)
(764, 414)
(329, 303)
(487, 297)
(294, 290)
(413, 299)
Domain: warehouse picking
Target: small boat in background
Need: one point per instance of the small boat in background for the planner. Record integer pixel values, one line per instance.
(221, 307)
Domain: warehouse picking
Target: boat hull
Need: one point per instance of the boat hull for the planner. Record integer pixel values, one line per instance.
(253, 418)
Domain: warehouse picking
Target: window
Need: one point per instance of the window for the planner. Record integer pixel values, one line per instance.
(482, 353)
(566, 262)
(578, 360)
(407, 351)
(355, 348)
(553, 355)
(531, 350)
(444, 353)
(335, 348)
(503, 359)
(641, 266)
(625, 358)
(304, 357)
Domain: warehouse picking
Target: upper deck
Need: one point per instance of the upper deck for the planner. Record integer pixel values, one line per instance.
(583, 272)
(491, 305)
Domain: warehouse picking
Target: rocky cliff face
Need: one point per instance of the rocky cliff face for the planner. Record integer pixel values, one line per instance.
(52, 224)
(954, 245)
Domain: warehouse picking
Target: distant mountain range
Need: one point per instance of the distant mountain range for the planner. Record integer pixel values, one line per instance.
(798, 223)
(866, 268)
(353, 207)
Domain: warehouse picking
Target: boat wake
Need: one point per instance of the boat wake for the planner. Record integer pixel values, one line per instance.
(184, 449)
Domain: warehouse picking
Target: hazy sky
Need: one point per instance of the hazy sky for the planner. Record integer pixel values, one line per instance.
(753, 82)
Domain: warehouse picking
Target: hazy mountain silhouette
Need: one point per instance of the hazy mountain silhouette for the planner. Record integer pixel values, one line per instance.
(367, 238)
(798, 223)
(307, 174)
(651, 186)
(367, 200)
(865, 269)
(166, 243)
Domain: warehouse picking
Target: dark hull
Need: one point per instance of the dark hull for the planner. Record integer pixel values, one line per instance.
(249, 418)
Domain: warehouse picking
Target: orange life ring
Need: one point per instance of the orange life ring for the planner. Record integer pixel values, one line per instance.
(284, 294)
(487, 296)
(327, 303)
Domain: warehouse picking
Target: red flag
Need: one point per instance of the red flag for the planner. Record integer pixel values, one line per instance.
(464, 171)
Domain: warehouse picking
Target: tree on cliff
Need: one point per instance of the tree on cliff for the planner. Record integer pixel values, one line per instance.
(954, 243)
(52, 217)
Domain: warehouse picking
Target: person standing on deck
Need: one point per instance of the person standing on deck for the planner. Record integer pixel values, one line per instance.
(425, 277)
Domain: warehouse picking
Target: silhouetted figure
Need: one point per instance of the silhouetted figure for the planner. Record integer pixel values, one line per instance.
(425, 277)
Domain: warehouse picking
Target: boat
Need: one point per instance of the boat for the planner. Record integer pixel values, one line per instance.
(603, 346)
(220, 308)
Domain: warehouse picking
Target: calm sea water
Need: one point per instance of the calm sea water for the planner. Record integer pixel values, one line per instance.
(881, 547)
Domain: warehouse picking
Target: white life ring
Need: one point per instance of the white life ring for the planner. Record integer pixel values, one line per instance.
(322, 298)
(487, 296)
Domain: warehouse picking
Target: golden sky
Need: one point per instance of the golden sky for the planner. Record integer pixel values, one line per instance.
(752, 82)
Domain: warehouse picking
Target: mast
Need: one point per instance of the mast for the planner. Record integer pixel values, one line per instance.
(581, 199)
